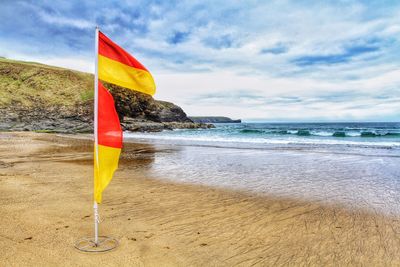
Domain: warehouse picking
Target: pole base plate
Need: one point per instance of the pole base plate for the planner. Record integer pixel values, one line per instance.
(104, 244)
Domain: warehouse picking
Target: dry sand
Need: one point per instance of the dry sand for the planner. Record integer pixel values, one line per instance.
(46, 205)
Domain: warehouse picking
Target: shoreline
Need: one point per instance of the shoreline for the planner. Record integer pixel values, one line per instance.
(44, 211)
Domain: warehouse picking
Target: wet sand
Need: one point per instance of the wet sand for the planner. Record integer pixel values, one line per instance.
(46, 205)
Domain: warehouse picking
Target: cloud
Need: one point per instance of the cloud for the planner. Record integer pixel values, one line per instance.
(178, 37)
(348, 54)
(219, 42)
(56, 19)
(275, 59)
(276, 50)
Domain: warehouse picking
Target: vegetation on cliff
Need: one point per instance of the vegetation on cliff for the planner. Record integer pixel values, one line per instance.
(34, 96)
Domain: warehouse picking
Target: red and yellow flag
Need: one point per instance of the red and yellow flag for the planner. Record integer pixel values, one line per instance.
(115, 66)
(109, 145)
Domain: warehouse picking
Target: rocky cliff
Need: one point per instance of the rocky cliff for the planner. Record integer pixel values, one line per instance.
(36, 97)
(214, 119)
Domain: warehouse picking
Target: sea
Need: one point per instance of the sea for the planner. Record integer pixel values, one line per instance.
(353, 164)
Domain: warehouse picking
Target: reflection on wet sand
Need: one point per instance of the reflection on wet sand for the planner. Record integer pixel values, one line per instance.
(79, 150)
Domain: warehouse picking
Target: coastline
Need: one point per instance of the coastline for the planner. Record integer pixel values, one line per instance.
(46, 185)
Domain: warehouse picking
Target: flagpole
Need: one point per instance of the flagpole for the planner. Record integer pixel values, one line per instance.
(96, 111)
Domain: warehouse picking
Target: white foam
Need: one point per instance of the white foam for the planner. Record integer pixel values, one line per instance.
(321, 133)
(353, 134)
(259, 140)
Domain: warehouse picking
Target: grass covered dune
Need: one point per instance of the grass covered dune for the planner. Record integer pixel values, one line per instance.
(46, 204)
(29, 84)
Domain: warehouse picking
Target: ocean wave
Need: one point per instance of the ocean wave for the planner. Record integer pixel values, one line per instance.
(339, 134)
(352, 134)
(303, 133)
(258, 131)
(251, 131)
(321, 133)
(259, 140)
(374, 134)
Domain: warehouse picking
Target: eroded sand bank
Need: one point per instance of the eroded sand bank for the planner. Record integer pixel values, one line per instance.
(46, 204)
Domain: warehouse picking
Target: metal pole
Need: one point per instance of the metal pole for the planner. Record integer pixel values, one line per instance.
(96, 224)
(96, 111)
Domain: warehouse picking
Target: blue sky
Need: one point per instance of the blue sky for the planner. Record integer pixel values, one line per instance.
(267, 60)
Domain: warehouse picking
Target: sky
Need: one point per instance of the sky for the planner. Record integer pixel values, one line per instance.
(256, 60)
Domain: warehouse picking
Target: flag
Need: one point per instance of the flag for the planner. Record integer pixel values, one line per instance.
(109, 145)
(115, 66)
(118, 67)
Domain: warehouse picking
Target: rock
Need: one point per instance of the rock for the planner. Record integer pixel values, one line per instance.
(143, 126)
(138, 125)
(141, 106)
(214, 119)
(169, 112)
(187, 125)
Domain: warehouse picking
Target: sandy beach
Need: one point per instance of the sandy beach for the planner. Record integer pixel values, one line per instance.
(46, 205)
